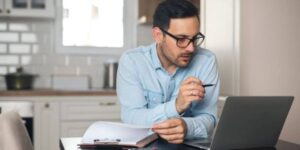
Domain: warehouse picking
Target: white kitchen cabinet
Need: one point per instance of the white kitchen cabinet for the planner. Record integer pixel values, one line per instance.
(77, 116)
(27, 8)
(64, 116)
(46, 125)
(74, 128)
(106, 109)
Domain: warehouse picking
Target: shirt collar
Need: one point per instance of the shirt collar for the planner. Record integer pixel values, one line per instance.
(154, 57)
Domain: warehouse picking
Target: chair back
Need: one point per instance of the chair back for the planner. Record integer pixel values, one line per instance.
(13, 134)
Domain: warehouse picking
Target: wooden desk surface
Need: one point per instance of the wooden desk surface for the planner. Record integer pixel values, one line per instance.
(71, 144)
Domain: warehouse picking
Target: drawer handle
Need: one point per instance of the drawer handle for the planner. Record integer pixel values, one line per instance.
(47, 105)
(107, 103)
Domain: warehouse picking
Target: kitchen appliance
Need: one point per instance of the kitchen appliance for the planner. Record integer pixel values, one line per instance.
(71, 82)
(19, 80)
(110, 74)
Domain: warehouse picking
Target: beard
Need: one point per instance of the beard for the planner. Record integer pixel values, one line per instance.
(180, 60)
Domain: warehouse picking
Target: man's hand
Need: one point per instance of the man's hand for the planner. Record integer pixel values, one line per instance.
(190, 90)
(172, 130)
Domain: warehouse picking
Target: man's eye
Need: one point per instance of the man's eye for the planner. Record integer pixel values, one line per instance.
(182, 40)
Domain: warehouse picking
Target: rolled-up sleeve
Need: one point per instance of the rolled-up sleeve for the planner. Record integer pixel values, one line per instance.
(204, 113)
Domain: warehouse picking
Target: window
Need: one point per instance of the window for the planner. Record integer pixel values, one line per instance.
(96, 26)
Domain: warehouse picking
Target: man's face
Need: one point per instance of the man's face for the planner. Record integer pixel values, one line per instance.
(169, 53)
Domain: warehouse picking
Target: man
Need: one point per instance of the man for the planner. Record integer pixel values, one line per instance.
(161, 85)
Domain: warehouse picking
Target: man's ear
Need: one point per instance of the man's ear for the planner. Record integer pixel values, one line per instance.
(157, 35)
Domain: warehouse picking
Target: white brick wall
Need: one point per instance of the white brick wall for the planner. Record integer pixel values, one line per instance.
(19, 48)
(28, 38)
(25, 60)
(9, 60)
(18, 27)
(3, 70)
(3, 48)
(12, 69)
(62, 70)
(9, 37)
(3, 26)
(29, 44)
(35, 49)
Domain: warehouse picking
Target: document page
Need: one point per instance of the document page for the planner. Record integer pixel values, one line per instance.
(115, 132)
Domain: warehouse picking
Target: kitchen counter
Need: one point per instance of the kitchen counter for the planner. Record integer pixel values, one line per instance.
(51, 92)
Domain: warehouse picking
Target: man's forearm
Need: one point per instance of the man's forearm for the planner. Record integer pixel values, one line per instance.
(199, 127)
(145, 116)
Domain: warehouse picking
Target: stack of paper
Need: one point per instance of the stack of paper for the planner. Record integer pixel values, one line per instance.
(112, 133)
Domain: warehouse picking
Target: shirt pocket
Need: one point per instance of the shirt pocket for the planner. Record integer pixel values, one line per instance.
(154, 98)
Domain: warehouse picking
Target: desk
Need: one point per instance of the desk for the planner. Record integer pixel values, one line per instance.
(71, 144)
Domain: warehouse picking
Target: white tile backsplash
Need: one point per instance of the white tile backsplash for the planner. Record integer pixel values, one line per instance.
(42, 81)
(9, 37)
(12, 69)
(3, 26)
(30, 43)
(26, 60)
(55, 60)
(28, 38)
(63, 70)
(18, 27)
(19, 48)
(71, 82)
(3, 70)
(78, 60)
(3, 48)
(9, 60)
(35, 48)
(38, 60)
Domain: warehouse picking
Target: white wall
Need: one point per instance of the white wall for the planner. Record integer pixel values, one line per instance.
(220, 25)
(270, 51)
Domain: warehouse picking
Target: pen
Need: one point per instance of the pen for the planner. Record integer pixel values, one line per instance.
(107, 141)
(208, 85)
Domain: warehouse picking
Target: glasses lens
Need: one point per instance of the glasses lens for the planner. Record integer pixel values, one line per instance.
(183, 42)
(198, 41)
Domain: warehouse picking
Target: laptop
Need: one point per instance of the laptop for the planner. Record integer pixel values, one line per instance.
(248, 122)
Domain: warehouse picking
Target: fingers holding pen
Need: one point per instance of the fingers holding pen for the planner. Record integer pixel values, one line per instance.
(193, 87)
(192, 80)
(190, 90)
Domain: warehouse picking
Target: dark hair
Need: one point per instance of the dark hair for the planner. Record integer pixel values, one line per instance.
(170, 9)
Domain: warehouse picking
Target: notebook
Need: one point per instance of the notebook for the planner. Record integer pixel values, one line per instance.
(113, 134)
(248, 122)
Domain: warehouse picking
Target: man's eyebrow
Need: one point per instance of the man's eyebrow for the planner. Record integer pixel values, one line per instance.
(183, 36)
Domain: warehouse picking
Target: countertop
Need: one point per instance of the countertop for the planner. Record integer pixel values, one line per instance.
(51, 92)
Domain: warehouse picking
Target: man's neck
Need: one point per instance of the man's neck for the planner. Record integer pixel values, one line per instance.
(170, 68)
(167, 65)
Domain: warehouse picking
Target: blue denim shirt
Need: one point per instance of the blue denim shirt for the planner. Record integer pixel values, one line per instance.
(147, 92)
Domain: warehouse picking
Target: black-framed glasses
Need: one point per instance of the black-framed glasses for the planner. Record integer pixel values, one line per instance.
(184, 42)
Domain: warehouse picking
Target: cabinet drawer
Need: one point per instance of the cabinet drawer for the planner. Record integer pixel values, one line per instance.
(91, 110)
(76, 129)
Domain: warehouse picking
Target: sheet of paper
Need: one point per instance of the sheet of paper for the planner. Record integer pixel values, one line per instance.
(125, 133)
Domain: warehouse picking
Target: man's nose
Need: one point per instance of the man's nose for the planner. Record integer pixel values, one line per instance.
(190, 47)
